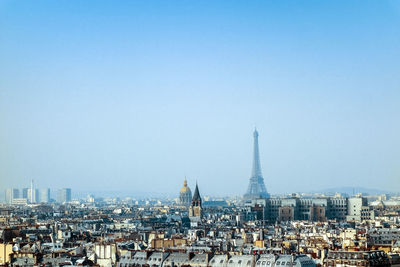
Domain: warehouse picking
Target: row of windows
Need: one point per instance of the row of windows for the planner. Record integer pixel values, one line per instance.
(359, 263)
(277, 263)
(231, 261)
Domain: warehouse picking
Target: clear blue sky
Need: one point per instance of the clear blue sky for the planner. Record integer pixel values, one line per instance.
(134, 95)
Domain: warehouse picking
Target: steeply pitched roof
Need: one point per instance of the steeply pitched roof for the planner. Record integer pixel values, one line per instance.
(196, 195)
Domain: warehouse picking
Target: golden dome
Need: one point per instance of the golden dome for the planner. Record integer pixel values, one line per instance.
(185, 188)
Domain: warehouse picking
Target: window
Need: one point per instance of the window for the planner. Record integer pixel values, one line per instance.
(240, 261)
(278, 263)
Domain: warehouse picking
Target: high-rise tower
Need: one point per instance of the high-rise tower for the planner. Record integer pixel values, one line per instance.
(64, 195)
(256, 187)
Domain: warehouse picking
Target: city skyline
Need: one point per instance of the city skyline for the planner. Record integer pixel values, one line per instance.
(136, 96)
(256, 187)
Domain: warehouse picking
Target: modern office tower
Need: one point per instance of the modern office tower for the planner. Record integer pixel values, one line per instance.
(15, 193)
(64, 195)
(256, 187)
(33, 195)
(11, 194)
(37, 195)
(25, 193)
(44, 195)
(185, 195)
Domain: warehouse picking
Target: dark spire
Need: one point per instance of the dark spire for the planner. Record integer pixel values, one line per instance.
(196, 200)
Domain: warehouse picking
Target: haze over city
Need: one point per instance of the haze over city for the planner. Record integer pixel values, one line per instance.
(134, 96)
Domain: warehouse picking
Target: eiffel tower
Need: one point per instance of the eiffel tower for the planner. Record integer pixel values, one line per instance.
(256, 187)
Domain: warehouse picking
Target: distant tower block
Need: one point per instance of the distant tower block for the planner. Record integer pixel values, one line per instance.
(185, 195)
(256, 187)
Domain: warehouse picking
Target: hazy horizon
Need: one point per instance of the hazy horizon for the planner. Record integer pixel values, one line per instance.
(134, 96)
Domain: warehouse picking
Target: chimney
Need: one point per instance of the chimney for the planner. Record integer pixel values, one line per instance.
(208, 257)
(190, 255)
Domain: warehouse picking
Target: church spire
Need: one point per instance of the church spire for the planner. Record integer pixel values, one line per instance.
(195, 210)
(196, 197)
